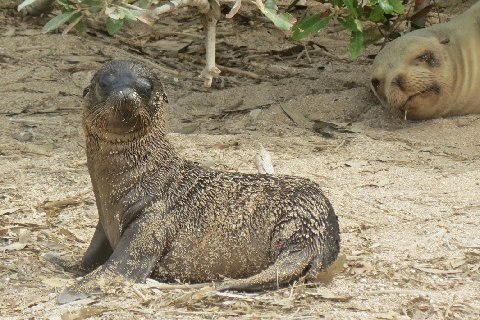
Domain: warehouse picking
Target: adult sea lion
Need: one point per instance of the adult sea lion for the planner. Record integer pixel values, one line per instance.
(168, 218)
(432, 72)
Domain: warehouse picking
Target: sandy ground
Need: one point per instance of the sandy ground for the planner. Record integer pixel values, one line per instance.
(406, 193)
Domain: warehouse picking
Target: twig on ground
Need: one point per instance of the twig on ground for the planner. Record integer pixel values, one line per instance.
(166, 286)
(394, 291)
(241, 72)
(65, 202)
(307, 55)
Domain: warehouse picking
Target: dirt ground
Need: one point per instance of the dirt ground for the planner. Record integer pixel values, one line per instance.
(406, 193)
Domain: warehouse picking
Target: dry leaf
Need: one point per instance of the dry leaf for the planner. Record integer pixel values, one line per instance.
(9, 210)
(58, 282)
(390, 315)
(437, 271)
(83, 313)
(70, 234)
(13, 247)
(297, 117)
(328, 295)
(263, 161)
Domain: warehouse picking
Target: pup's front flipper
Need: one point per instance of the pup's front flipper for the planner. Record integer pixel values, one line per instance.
(66, 265)
(97, 254)
(132, 259)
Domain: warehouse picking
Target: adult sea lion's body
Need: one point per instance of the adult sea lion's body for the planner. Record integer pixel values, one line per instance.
(166, 217)
(432, 72)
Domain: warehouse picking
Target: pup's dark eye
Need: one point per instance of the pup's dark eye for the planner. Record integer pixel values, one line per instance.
(144, 84)
(429, 58)
(86, 91)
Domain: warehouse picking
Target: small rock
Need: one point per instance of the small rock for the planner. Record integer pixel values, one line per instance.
(255, 113)
(356, 163)
(188, 128)
(24, 136)
(24, 236)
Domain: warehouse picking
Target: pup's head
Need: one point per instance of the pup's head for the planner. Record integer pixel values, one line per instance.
(123, 98)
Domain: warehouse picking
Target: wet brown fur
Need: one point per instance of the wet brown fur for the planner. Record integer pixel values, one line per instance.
(168, 218)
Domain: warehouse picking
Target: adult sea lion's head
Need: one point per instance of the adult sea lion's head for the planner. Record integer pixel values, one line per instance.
(413, 75)
(123, 98)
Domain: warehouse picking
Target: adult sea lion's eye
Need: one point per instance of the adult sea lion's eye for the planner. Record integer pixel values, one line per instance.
(428, 57)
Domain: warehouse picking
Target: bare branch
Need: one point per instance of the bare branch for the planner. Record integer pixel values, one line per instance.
(234, 10)
(202, 5)
(210, 71)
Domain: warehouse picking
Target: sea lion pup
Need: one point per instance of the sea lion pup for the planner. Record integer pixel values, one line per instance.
(164, 217)
(432, 72)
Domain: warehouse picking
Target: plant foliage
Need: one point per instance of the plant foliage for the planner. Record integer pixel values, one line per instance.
(351, 14)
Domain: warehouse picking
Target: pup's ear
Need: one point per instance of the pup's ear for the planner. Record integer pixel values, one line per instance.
(165, 98)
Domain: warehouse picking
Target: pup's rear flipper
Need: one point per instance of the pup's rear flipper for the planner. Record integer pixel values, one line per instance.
(289, 266)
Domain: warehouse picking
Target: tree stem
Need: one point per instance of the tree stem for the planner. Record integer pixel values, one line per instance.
(210, 71)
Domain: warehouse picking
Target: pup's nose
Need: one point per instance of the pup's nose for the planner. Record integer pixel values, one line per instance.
(115, 82)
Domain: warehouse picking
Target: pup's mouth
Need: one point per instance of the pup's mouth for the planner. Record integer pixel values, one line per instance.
(126, 111)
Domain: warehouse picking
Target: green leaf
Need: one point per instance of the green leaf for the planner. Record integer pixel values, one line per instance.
(397, 6)
(144, 4)
(371, 35)
(113, 25)
(356, 44)
(132, 14)
(81, 26)
(376, 15)
(358, 25)
(350, 4)
(351, 24)
(58, 21)
(386, 6)
(309, 25)
(281, 21)
(91, 3)
(271, 4)
(95, 9)
(24, 4)
(115, 13)
(76, 18)
(66, 4)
